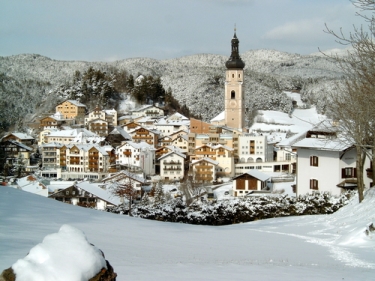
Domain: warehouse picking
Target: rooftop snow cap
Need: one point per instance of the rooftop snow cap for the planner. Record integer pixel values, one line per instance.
(235, 61)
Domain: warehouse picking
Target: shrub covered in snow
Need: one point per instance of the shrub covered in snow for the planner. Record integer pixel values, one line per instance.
(238, 210)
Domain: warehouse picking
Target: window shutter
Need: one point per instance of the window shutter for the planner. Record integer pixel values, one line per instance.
(343, 176)
(355, 172)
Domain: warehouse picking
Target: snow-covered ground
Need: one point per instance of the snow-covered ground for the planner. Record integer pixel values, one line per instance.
(324, 247)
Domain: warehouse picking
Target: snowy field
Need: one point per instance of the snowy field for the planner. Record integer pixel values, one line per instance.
(324, 247)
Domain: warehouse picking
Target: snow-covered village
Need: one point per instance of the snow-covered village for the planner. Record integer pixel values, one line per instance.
(254, 165)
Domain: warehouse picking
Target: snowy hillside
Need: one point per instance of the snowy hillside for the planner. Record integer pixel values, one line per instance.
(323, 247)
(196, 81)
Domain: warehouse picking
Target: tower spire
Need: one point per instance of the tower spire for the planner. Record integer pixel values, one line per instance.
(235, 60)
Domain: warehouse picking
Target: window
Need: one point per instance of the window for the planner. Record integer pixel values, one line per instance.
(348, 173)
(233, 95)
(314, 161)
(314, 184)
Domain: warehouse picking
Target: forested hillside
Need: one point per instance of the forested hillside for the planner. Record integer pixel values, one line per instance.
(32, 84)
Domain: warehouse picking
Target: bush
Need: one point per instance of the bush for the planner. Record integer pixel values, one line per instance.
(239, 210)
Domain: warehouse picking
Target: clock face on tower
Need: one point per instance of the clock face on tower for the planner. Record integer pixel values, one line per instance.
(232, 103)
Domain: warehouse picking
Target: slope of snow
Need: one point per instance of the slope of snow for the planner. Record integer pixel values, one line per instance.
(325, 247)
(300, 120)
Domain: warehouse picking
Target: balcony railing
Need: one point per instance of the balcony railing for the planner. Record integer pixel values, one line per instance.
(205, 152)
(172, 162)
(172, 168)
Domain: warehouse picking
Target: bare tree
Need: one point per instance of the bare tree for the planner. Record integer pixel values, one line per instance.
(127, 191)
(353, 104)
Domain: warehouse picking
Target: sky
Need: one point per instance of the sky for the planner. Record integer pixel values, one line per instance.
(322, 247)
(108, 30)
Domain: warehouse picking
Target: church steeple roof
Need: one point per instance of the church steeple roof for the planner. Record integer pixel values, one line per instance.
(235, 61)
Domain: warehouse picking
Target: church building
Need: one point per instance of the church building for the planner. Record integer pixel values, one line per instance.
(234, 88)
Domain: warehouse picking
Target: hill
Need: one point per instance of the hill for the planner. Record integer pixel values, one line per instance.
(196, 81)
(322, 247)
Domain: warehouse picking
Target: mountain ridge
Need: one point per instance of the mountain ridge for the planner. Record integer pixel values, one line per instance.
(196, 81)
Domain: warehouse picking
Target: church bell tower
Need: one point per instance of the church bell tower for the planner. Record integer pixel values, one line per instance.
(234, 93)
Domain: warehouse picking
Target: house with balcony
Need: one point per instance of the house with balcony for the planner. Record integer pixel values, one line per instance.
(145, 135)
(266, 153)
(131, 126)
(98, 126)
(182, 142)
(172, 166)
(49, 155)
(52, 122)
(12, 150)
(326, 163)
(72, 109)
(255, 148)
(203, 170)
(72, 135)
(168, 127)
(165, 141)
(148, 110)
(197, 140)
(220, 153)
(109, 118)
(138, 156)
(20, 138)
(79, 161)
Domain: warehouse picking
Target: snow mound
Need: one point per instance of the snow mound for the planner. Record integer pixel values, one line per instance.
(66, 255)
(354, 219)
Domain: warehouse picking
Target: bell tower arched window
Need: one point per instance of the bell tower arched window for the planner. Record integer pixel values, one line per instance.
(233, 95)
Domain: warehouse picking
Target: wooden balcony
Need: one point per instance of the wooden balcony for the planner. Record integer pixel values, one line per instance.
(127, 153)
(172, 162)
(200, 178)
(205, 152)
(203, 167)
(204, 172)
(172, 168)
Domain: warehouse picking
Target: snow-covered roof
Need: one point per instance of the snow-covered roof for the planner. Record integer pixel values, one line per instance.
(144, 107)
(177, 115)
(127, 174)
(172, 152)
(209, 160)
(76, 103)
(21, 136)
(110, 111)
(19, 144)
(54, 186)
(121, 131)
(185, 137)
(137, 145)
(323, 144)
(219, 117)
(103, 194)
(256, 174)
(72, 133)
